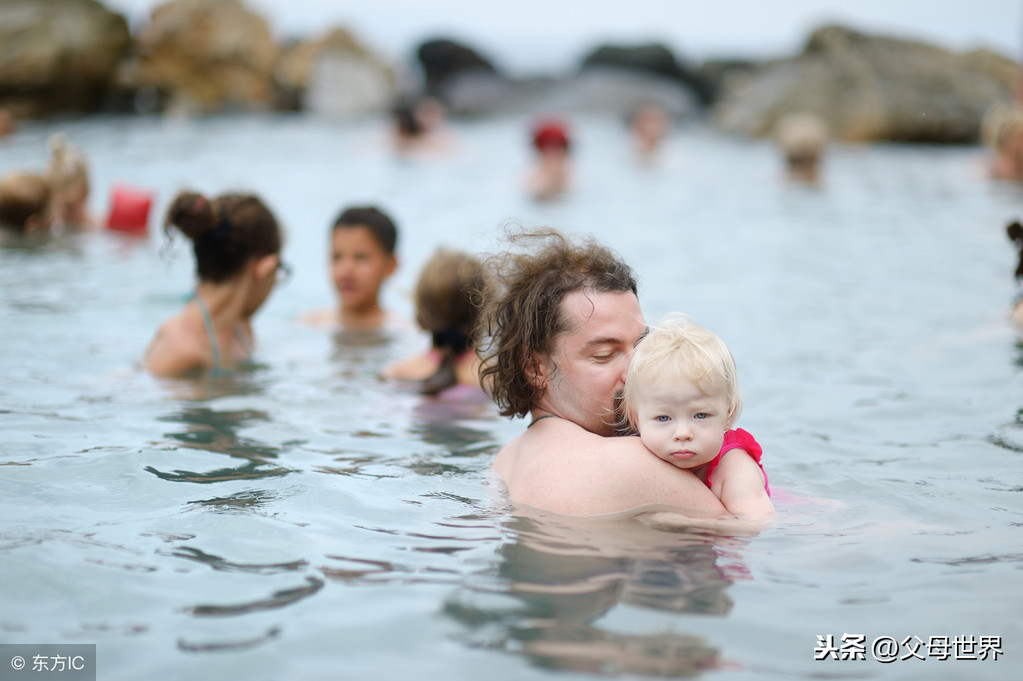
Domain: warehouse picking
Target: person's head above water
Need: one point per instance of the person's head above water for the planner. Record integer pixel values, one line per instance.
(68, 174)
(363, 243)
(676, 351)
(558, 326)
(24, 202)
(237, 243)
(376, 222)
(551, 135)
(447, 301)
(227, 232)
(447, 296)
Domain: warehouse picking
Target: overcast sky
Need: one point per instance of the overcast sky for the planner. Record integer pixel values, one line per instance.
(527, 36)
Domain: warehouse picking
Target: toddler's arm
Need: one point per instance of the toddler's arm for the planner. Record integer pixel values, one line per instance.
(739, 484)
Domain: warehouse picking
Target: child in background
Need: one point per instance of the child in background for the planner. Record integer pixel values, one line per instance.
(362, 257)
(25, 205)
(551, 176)
(69, 177)
(446, 306)
(682, 396)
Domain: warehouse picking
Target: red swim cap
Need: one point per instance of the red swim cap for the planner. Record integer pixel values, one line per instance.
(550, 135)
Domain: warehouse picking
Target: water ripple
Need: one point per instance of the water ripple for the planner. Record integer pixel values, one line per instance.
(250, 472)
(221, 564)
(245, 644)
(279, 599)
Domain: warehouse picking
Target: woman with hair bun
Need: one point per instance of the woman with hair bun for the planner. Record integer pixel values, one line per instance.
(237, 245)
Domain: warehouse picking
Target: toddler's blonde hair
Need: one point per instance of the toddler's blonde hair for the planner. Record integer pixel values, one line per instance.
(678, 349)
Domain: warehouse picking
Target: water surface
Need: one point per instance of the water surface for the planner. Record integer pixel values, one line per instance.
(304, 520)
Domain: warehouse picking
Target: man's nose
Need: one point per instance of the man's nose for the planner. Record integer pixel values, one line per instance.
(623, 369)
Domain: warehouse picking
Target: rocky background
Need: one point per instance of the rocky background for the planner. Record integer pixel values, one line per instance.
(204, 56)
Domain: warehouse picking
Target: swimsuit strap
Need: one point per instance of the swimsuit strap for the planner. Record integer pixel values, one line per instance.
(210, 332)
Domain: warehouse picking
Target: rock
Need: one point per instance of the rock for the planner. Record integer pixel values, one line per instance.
(483, 93)
(612, 91)
(205, 55)
(335, 74)
(721, 75)
(58, 55)
(619, 92)
(442, 59)
(872, 88)
(654, 58)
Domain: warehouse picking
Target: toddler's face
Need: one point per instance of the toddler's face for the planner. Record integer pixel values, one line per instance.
(681, 423)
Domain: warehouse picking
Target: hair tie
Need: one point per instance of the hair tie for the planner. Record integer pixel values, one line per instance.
(220, 232)
(451, 338)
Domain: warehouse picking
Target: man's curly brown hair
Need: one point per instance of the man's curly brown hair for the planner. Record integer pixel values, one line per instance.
(522, 306)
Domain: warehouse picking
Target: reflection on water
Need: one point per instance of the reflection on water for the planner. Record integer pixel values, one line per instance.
(278, 599)
(209, 430)
(359, 355)
(217, 431)
(190, 647)
(455, 420)
(250, 379)
(223, 565)
(556, 581)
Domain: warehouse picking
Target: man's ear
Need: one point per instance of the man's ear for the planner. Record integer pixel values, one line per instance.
(392, 266)
(537, 372)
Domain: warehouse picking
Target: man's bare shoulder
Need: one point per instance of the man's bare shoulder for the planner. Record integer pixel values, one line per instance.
(566, 469)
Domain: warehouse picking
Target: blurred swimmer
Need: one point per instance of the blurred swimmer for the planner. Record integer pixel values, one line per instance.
(25, 205)
(802, 138)
(550, 178)
(69, 178)
(237, 246)
(362, 257)
(447, 306)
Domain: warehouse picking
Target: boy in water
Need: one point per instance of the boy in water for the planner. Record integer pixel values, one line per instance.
(362, 257)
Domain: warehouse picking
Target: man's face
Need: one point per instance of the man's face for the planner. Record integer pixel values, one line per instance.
(588, 362)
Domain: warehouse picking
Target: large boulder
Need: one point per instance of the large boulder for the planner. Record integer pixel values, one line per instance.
(58, 55)
(619, 92)
(610, 91)
(335, 74)
(653, 59)
(205, 55)
(443, 60)
(872, 88)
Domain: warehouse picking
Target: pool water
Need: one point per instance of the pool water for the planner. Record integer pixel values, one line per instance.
(303, 520)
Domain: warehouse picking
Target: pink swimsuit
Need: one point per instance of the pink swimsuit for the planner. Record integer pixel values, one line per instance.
(739, 439)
